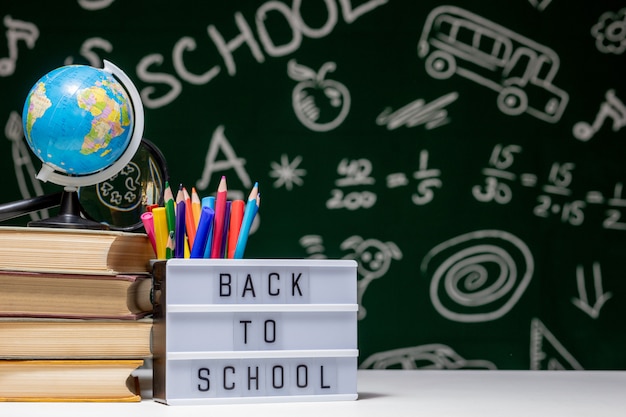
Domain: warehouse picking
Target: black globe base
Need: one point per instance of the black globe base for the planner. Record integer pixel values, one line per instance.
(69, 215)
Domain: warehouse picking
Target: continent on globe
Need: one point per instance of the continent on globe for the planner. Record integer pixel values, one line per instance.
(37, 106)
(109, 117)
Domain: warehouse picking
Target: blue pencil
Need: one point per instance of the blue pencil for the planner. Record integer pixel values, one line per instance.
(209, 202)
(205, 225)
(248, 217)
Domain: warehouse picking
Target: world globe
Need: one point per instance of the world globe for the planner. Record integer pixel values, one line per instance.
(81, 122)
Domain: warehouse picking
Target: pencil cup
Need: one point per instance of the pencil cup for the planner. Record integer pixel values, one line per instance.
(244, 330)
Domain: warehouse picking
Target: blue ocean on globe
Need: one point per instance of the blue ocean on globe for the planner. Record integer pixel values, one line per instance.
(78, 119)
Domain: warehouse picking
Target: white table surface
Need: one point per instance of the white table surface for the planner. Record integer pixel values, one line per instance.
(393, 393)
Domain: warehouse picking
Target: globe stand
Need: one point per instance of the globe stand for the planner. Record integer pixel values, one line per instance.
(69, 214)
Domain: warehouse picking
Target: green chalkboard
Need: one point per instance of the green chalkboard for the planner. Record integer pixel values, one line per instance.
(468, 154)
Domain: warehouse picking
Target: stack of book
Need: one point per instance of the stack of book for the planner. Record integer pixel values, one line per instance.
(75, 314)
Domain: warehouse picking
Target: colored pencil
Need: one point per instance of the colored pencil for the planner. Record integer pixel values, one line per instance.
(190, 224)
(248, 217)
(226, 227)
(180, 230)
(234, 226)
(170, 208)
(220, 213)
(202, 234)
(147, 219)
(161, 231)
(196, 205)
(170, 247)
(209, 202)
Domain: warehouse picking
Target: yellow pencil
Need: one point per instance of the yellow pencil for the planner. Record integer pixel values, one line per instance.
(161, 230)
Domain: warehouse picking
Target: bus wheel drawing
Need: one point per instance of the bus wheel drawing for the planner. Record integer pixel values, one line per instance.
(440, 65)
(512, 101)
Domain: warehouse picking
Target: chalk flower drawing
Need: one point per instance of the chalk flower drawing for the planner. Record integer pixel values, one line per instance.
(610, 32)
(287, 173)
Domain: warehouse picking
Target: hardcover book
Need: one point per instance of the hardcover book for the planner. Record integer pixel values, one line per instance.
(42, 249)
(69, 380)
(36, 338)
(35, 294)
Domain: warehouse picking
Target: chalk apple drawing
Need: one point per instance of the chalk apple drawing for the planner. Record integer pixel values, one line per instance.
(320, 104)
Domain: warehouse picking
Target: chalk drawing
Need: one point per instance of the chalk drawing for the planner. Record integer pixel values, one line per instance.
(287, 173)
(431, 356)
(417, 113)
(610, 32)
(314, 246)
(25, 172)
(478, 276)
(87, 51)
(583, 300)
(17, 30)
(540, 4)
(374, 259)
(218, 143)
(546, 352)
(613, 108)
(456, 41)
(95, 4)
(319, 103)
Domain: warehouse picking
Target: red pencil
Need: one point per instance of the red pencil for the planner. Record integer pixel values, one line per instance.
(220, 219)
(236, 216)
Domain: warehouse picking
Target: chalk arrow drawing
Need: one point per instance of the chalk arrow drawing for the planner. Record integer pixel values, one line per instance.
(582, 301)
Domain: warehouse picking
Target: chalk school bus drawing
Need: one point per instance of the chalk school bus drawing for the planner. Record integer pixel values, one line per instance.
(456, 41)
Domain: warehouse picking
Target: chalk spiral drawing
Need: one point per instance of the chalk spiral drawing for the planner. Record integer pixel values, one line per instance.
(610, 32)
(478, 276)
(456, 41)
(431, 356)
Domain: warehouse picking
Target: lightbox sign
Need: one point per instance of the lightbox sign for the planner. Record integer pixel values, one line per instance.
(241, 330)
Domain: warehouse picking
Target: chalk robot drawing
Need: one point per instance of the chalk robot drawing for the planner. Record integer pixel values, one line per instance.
(456, 41)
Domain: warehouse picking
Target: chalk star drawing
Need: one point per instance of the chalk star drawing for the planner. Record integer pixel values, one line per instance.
(478, 276)
(432, 356)
(287, 173)
(546, 352)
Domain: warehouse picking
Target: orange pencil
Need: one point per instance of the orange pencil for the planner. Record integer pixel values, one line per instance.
(190, 224)
(236, 216)
(196, 205)
(220, 219)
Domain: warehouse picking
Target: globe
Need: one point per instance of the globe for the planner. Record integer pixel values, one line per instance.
(85, 124)
(78, 119)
